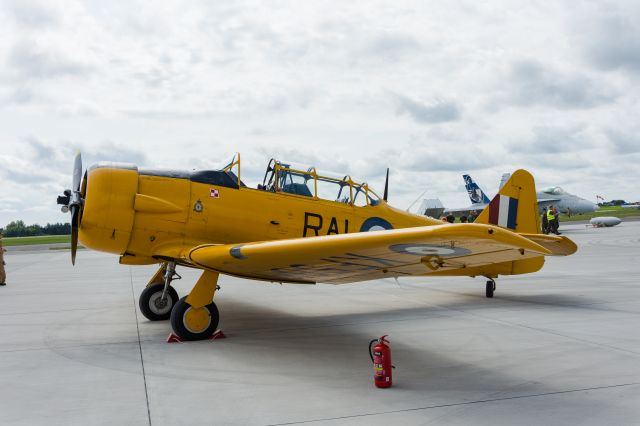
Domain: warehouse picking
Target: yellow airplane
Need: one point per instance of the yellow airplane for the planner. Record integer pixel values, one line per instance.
(299, 226)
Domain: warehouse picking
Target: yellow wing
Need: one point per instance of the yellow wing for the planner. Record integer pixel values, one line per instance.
(448, 249)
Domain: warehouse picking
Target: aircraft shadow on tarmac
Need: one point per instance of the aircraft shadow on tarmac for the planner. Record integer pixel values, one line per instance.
(462, 360)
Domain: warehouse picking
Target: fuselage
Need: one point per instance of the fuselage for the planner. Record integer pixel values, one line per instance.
(565, 202)
(140, 213)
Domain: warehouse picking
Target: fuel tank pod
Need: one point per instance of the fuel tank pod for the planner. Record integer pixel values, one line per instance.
(108, 213)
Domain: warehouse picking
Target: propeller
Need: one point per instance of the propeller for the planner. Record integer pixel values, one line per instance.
(73, 202)
(386, 186)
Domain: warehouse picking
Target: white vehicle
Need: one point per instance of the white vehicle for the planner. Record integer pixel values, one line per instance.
(605, 221)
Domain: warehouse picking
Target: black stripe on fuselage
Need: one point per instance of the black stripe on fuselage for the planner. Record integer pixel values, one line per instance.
(209, 177)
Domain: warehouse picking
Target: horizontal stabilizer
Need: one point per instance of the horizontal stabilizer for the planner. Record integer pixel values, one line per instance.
(558, 246)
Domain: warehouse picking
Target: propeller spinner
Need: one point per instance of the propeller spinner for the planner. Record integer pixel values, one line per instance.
(72, 201)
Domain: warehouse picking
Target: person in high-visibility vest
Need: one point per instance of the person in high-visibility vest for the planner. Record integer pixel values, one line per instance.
(552, 218)
(545, 221)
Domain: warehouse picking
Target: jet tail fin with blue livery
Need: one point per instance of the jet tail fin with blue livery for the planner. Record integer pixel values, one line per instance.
(476, 194)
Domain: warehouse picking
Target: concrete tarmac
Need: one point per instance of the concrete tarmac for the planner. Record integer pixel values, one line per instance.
(558, 347)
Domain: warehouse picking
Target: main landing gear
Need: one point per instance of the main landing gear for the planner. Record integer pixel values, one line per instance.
(193, 317)
(158, 298)
(490, 288)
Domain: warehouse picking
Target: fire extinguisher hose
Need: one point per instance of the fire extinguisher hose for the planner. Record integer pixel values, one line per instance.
(370, 351)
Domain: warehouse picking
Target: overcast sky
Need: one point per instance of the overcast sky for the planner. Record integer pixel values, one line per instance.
(430, 89)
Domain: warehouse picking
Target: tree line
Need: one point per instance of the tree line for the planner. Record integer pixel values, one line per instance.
(17, 228)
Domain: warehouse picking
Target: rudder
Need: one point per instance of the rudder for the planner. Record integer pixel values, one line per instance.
(515, 206)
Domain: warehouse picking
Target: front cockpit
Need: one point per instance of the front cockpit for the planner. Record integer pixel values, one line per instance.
(307, 182)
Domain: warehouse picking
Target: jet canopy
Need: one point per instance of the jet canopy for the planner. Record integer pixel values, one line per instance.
(554, 190)
(305, 181)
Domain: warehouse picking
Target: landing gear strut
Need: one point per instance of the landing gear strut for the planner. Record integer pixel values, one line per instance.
(490, 288)
(158, 298)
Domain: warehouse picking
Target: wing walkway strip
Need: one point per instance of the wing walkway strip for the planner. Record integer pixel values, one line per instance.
(457, 404)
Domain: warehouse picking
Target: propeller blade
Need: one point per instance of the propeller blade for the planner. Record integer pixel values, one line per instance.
(386, 186)
(77, 172)
(75, 214)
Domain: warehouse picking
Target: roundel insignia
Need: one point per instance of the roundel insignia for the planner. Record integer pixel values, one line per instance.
(429, 250)
(375, 224)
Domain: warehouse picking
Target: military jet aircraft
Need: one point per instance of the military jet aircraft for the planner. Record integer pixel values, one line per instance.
(555, 196)
(299, 226)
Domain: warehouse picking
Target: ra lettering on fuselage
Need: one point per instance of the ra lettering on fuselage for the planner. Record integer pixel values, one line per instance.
(313, 225)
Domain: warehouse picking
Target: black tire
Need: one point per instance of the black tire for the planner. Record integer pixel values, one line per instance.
(491, 286)
(150, 302)
(182, 330)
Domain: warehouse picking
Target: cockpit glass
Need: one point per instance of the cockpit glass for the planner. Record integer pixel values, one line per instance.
(363, 195)
(305, 181)
(294, 182)
(333, 190)
(553, 190)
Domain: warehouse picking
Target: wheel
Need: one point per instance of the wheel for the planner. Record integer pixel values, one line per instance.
(151, 304)
(491, 287)
(194, 323)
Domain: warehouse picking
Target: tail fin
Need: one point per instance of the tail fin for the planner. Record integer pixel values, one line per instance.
(515, 206)
(475, 193)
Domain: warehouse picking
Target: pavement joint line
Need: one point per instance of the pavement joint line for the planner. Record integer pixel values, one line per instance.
(458, 404)
(144, 375)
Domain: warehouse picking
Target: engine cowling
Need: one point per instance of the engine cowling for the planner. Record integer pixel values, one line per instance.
(108, 212)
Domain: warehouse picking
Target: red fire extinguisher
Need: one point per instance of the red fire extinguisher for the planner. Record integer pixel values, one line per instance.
(381, 357)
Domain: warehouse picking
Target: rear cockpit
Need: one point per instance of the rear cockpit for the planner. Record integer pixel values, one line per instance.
(307, 182)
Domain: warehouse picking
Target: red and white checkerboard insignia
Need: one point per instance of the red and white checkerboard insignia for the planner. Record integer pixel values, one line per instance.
(214, 193)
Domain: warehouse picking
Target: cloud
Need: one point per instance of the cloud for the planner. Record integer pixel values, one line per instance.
(79, 108)
(532, 83)
(42, 153)
(23, 96)
(448, 152)
(554, 140)
(347, 86)
(22, 172)
(30, 60)
(32, 14)
(391, 46)
(47, 163)
(614, 39)
(623, 142)
(439, 111)
(111, 151)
